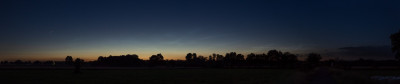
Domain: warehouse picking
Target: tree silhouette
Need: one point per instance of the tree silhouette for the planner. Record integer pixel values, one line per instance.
(274, 56)
(214, 57)
(395, 39)
(193, 60)
(4, 62)
(201, 60)
(189, 57)
(78, 63)
(69, 60)
(37, 62)
(232, 59)
(18, 62)
(156, 59)
(194, 56)
(313, 59)
(251, 57)
(101, 59)
(288, 59)
(122, 60)
(257, 59)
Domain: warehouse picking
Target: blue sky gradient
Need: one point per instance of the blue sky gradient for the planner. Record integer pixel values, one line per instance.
(53, 29)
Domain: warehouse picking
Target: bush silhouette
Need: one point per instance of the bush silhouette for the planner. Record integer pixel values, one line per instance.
(395, 39)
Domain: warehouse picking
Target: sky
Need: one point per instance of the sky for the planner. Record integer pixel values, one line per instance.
(54, 29)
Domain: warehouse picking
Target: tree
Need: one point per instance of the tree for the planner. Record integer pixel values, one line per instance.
(194, 56)
(78, 63)
(201, 59)
(189, 57)
(313, 58)
(251, 57)
(69, 60)
(18, 62)
(395, 39)
(214, 57)
(274, 55)
(160, 56)
(288, 59)
(240, 57)
(219, 57)
(101, 59)
(37, 62)
(156, 59)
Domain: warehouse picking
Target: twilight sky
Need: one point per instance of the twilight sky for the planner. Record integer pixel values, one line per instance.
(53, 29)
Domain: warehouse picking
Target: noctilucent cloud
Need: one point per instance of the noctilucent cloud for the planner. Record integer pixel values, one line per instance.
(53, 29)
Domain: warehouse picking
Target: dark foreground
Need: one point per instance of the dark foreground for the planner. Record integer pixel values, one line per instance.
(152, 76)
(322, 75)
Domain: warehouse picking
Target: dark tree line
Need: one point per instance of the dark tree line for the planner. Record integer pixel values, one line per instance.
(123, 60)
(77, 63)
(273, 58)
(20, 62)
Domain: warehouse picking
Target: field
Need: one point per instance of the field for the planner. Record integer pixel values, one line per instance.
(366, 76)
(154, 76)
(324, 75)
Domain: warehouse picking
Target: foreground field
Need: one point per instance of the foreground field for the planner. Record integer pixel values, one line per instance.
(366, 76)
(155, 76)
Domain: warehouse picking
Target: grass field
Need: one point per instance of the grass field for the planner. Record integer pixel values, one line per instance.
(154, 76)
(366, 76)
(193, 76)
